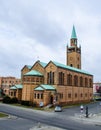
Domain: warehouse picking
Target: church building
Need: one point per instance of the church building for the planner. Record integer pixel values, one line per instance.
(57, 83)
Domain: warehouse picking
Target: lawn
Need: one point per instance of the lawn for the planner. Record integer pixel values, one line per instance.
(3, 115)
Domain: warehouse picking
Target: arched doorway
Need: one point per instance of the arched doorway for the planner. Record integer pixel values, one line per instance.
(51, 99)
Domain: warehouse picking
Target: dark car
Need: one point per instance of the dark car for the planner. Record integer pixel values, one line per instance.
(58, 109)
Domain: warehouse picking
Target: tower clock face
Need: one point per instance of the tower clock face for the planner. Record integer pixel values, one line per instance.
(71, 58)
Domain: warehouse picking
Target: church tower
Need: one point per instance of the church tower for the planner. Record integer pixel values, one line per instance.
(74, 52)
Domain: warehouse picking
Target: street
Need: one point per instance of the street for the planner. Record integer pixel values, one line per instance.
(24, 119)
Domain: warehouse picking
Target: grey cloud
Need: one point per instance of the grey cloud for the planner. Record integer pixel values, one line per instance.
(33, 22)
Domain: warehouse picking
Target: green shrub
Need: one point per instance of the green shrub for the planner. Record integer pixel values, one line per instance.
(14, 100)
(6, 99)
(25, 103)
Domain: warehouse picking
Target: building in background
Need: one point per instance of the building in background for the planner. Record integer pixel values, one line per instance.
(97, 87)
(97, 91)
(7, 82)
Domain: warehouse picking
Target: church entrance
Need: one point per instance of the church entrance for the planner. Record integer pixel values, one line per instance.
(51, 99)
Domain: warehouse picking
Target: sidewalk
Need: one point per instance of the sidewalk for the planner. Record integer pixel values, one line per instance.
(92, 118)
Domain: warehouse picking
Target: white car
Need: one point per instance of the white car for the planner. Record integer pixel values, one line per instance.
(58, 109)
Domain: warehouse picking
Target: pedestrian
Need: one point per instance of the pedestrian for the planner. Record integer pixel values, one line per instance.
(86, 111)
(81, 108)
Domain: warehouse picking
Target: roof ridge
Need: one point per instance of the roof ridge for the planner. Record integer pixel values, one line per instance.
(70, 68)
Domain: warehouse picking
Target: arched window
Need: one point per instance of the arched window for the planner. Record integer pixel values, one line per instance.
(81, 81)
(41, 95)
(75, 80)
(34, 95)
(71, 65)
(86, 82)
(33, 79)
(81, 95)
(38, 96)
(61, 78)
(76, 95)
(90, 82)
(69, 79)
(78, 66)
(50, 78)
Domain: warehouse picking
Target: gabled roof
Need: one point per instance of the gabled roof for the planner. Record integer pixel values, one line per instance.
(18, 86)
(45, 87)
(42, 63)
(13, 87)
(33, 73)
(28, 66)
(73, 36)
(70, 68)
(39, 88)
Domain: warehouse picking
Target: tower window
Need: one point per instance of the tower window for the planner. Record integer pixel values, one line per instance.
(78, 66)
(71, 65)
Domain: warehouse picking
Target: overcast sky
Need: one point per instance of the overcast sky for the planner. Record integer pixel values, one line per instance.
(32, 30)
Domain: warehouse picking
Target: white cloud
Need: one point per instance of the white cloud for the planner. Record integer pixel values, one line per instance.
(42, 28)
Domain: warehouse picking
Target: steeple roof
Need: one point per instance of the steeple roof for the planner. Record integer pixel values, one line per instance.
(73, 36)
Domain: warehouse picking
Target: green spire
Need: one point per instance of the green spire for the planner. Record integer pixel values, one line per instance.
(73, 36)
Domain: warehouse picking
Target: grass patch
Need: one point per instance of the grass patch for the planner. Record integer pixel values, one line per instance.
(3, 115)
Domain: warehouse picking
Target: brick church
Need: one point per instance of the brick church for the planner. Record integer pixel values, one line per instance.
(57, 83)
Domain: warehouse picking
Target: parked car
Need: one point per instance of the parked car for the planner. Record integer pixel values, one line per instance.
(58, 109)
